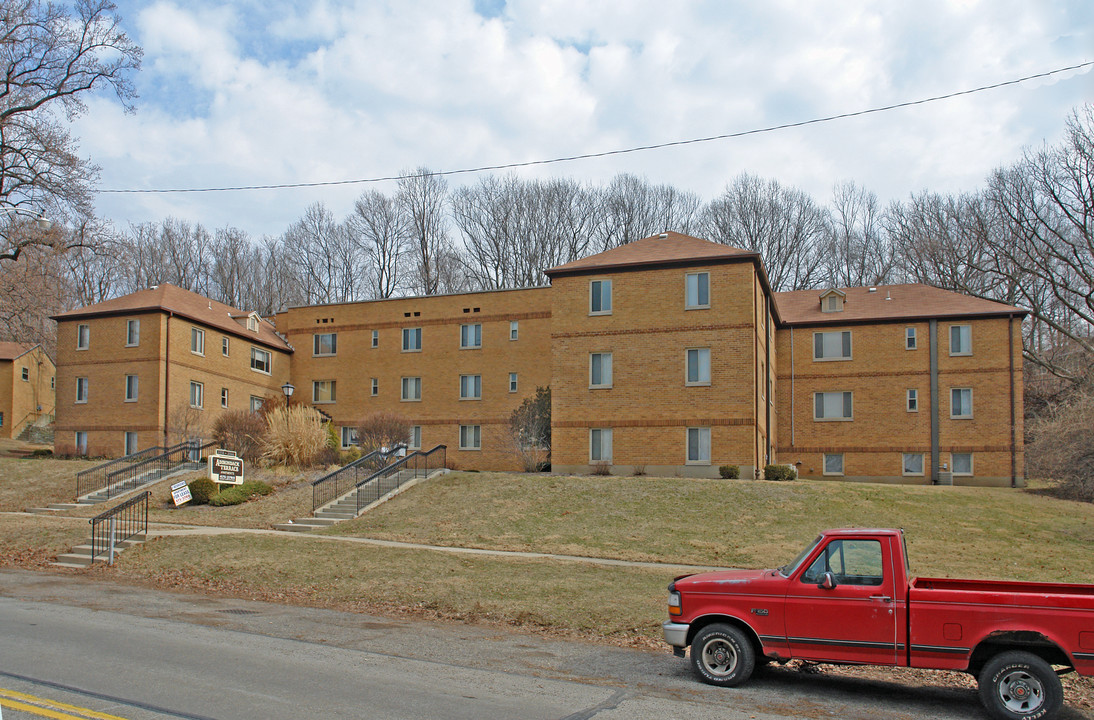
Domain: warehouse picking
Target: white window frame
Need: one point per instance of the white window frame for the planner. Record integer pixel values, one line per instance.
(964, 416)
(224, 397)
(606, 376)
(256, 403)
(413, 384)
(962, 330)
(702, 445)
(843, 406)
(83, 336)
(699, 380)
(698, 282)
(256, 362)
(471, 336)
(904, 465)
(130, 435)
(224, 345)
(197, 390)
(414, 442)
(842, 464)
(472, 433)
(911, 400)
(375, 338)
(197, 341)
(953, 465)
(598, 290)
(331, 343)
(317, 386)
(834, 358)
(132, 332)
(82, 390)
(470, 387)
(597, 448)
(514, 329)
(512, 382)
(911, 339)
(412, 339)
(24, 374)
(132, 397)
(348, 436)
(81, 442)
(374, 388)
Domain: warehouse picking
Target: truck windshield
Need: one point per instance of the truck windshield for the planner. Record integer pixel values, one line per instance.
(788, 570)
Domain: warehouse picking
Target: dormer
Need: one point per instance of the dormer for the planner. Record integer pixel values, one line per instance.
(251, 321)
(832, 300)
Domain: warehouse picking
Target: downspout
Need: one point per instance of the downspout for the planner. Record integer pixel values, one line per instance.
(933, 339)
(792, 398)
(1013, 429)
(166, 374)
(767, 372)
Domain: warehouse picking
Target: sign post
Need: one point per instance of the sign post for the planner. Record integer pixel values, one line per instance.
(226, 467)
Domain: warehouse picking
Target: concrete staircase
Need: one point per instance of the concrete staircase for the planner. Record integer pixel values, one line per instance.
(345, 507)
(141, 482)
(37, 435)
(80, 556)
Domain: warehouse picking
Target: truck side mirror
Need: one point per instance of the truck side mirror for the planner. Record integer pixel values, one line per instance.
(828, 582)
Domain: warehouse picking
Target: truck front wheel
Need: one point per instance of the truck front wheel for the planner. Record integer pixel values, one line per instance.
(722, 655)
(1018, 685)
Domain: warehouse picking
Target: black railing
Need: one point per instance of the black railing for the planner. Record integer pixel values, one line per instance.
(92, 479)
(417, 464)
(119, 524)
(336, 484)
(157, 466)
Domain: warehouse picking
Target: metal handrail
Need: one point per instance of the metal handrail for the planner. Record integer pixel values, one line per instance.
(86, 479)
(118, 524)
(187, 451)
(337, 483)
(420, 464)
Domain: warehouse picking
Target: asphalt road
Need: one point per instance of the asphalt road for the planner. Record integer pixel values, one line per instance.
(71, 647)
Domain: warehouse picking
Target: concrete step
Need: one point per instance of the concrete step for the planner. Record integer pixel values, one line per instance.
(40, 511)
(304, 525)
(335, 515)
(62, 506)
(77, 563)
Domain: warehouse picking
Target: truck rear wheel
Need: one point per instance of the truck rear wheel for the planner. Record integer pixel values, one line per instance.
(1018, 685)
(722, 655)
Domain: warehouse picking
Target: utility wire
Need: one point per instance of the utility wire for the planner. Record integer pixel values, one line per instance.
(608, 153)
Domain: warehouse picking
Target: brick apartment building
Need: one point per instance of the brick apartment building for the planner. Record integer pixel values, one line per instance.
(27, 378)
(670, 355)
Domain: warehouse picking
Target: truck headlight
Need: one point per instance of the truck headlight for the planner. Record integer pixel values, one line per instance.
(674, 603)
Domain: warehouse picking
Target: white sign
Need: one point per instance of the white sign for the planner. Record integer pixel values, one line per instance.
(180, 492)
(226, 467)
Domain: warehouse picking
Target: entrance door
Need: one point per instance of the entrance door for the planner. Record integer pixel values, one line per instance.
(854, 620)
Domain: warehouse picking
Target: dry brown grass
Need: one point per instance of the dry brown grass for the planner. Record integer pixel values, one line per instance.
(30, 542)
(36, 482)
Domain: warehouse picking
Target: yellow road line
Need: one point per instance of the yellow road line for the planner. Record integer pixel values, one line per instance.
(49, 708)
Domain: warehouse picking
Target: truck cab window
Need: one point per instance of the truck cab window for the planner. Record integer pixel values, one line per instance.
(852, 562)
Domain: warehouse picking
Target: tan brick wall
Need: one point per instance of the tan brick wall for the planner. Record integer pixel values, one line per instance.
(439, 364)
(21, 399)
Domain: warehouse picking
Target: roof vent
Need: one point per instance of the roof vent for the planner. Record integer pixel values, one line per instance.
(663, 235)
(873, 289)
(888, 296)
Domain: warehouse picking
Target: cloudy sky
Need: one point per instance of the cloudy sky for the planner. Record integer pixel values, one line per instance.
(255, 92)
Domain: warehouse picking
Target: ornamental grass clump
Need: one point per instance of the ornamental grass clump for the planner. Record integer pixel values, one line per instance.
(294, 436)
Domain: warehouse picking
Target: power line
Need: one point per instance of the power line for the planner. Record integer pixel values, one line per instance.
(608, 153)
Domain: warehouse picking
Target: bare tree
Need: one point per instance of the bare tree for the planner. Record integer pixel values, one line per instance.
(173, 251)
(92, 268)
(784, 225)
(423, 198)
(52, 56)
(382, 430)
(381, 231)
(330, 263)
(630, 209)
(858, 251)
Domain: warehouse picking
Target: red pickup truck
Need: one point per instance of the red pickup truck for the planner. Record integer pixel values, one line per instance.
(848, 598)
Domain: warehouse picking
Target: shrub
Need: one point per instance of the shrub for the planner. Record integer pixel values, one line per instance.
(530, 430)
(639, 470)
(242, 432)
(779, 472)
(383, 429)
(1061, 447)
(237, 494)
(202, 490)
(294, 436)
(730, 472)
(602, 468)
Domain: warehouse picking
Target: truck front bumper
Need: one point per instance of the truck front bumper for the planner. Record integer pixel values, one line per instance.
(676, 634)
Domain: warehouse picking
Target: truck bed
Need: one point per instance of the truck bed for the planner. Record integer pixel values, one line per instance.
(1002, 586)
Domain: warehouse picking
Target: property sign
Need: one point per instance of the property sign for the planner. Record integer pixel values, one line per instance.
(180, 492)
(226, 467)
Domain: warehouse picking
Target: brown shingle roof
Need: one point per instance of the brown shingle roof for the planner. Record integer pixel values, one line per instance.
(889, 302)
(671, 248)
(169, 298)
(12, 350)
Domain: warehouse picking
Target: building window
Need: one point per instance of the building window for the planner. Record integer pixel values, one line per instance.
(699, 446)
(600, 370)
(514, 328)
(375, 387)
(261, 360)
(471, 336)
(252, 323)
(412, 389)
(349, 437)
(25, 374)
(698, 290)
(322, 391)
(960, 340)
(412, 339)
(600, 297)
(83, 337)
(470, 437)
(256, 403)
(832, 406)
(698, 371)
(53, 383)
(325, 344)
(910, 342)
(600, 445)
(130, 443)
(833, 463)
(414, 442)
(1, 419)
(913, 464)
(470, 387)
(512, 382)
(224, 346)
(197, 395)
(81, 442)
(832, 303)
(132, 333)
(131, 388)
(913, 400)
(375, 338)
(224, 397)
(197, 341)
(81, 389)
(832, 345)
(960, 403)
(961, 463)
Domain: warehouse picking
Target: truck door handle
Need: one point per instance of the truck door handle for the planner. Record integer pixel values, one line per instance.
(882, 598)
